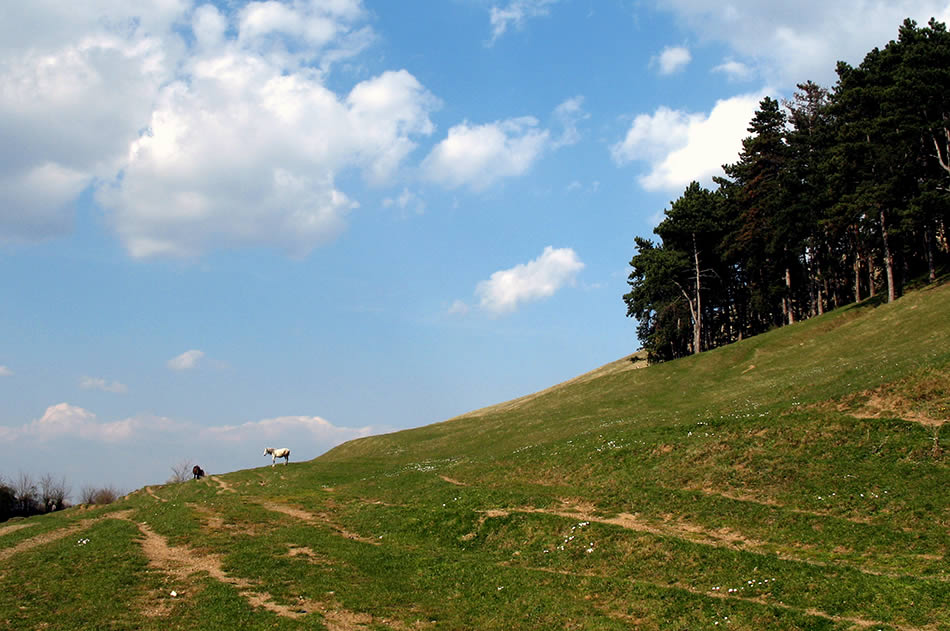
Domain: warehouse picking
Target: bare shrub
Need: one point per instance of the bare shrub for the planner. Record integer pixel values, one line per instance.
(54, 493)
(27, 495)
(181, 471)
(101, 495)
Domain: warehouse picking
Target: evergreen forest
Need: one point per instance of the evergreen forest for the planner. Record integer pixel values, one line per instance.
(838, 195)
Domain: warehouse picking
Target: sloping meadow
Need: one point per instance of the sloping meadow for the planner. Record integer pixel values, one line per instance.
(795, 480)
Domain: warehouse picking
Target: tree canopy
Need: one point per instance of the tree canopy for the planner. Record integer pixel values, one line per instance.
(836, 195)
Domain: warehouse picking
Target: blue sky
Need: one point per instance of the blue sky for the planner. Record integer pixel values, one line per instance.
(234, 225)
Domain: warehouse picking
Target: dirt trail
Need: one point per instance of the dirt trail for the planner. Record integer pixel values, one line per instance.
(319, 518)
(860, 622)
(182, 563)
(59, 533)
(221, 483)
(5, 530)
(722, 538)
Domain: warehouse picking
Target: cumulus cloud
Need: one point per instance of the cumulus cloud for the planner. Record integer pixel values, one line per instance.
(734, 70)
(794, 42)
(98, 383)
(506, 289)
(225, 139)
(680, 147)
(65, 420)
(77, 88)
(672, 59)
(69, 421)
(185, 361)
(515, 13)
(5, 372)
(479, 155)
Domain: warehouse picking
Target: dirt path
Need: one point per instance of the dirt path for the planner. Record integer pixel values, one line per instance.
(860, 622)
(59, 533)
(224, 486)
(182, 563)
(722, 538)
(319, 518)
(5, 530)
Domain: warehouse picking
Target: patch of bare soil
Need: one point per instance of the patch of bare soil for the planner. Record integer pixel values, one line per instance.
(446, 478)
(5, 530)
(680, 529)
(859, 622)
(224, 486)
(152, 494)
(46, 537)
(316, 518)
(56, 535)
(923, 399)
(181, 563)
(210, 519)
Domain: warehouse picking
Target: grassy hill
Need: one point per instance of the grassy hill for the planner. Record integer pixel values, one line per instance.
(796, 480)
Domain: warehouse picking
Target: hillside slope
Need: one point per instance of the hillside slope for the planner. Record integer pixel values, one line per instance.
(796, 480)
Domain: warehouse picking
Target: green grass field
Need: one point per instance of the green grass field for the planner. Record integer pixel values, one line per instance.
(796, 480)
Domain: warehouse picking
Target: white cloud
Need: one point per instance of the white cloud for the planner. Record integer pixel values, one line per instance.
(65, 420)
(568, 114)
(185, 361)
(69, 421)
(479, 155)
(506, 289)
(98, 383)
(247, 155)
(672, 59)
(515, 13)
(5, 372)
(794, 42)
(734, 70)
(274, 430)
(229, 140)
(681, 147)
(78, 83)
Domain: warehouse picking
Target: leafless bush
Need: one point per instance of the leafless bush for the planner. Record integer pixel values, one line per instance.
(54, 493)
(181, 471)
(102, 495)
(27, 496)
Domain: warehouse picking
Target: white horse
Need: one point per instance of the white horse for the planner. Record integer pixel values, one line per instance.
(278, 453)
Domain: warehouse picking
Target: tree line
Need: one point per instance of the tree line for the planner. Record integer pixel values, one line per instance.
(837, 195)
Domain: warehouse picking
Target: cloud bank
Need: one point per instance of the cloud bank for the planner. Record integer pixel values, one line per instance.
(196, 129)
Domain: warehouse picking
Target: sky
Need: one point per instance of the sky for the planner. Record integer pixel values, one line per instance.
(233, 225)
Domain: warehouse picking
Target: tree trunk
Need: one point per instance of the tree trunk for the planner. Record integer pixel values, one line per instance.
(929, 250)
(788, 294)
(857, 277)
(872, 287)
(888, 260)
(698, 323)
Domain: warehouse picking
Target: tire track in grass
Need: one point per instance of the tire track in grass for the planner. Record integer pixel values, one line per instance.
(698, 535)
(13, 528)
(319, 518)
(810, 611)
(182, 563)
(59, 533)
